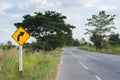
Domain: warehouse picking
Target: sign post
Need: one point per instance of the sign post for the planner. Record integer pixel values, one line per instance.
(20, 59)
(20, 36)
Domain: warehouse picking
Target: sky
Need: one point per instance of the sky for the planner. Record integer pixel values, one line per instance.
(77, 12)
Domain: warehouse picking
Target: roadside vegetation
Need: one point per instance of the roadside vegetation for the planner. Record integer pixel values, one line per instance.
(41, 57)
(100, 27)
(36, 66)
(100, 30)
(109, 50)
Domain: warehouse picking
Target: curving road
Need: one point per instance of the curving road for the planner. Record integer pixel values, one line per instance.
(82, 65)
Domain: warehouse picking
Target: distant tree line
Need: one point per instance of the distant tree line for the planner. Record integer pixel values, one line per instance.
(7, 46)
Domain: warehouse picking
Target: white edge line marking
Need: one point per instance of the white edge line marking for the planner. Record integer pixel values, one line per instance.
(98, 78)
(83, 65)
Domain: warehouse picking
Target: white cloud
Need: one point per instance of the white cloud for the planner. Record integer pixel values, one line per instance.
(89, 3)
(4, 6)
(37, 4)
(106, 7)
(13, 15)
(26, 6)
(71, 17)
(3, 30)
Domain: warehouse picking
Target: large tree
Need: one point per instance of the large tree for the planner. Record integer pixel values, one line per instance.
(101, 26)
(49, 28)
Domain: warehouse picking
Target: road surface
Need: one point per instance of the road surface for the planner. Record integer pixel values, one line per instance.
(82, 65)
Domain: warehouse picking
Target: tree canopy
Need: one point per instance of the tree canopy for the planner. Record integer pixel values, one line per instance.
(49, 28)
(102, 25)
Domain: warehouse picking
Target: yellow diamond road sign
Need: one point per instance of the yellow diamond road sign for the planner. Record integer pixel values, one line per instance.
(20, 36)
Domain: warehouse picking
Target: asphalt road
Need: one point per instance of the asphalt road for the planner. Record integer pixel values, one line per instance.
(82, 65)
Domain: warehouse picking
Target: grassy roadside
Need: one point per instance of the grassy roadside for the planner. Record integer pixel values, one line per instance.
(110, 50)
(37, 66)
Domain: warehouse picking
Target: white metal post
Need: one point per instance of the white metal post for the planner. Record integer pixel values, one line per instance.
(20, 59)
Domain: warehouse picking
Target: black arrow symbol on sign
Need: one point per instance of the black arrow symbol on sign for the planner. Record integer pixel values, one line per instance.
(18, 37)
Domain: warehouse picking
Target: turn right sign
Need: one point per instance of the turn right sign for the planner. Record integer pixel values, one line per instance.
(21, 36)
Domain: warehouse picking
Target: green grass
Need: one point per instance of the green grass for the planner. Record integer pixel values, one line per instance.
(37, 66)
(109, 50)
(88, 48)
